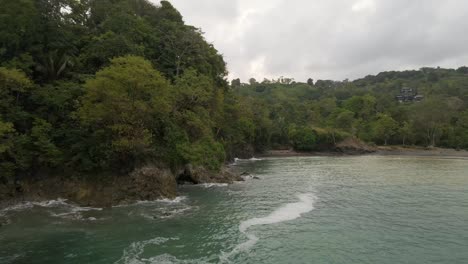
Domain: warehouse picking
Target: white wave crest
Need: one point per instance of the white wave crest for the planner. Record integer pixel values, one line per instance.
(251, 159)
(210, 185)
(68, 210)
(176, 200)
(286, 212)
(237, 160)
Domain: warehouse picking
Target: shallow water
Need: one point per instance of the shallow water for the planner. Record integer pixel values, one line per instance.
(367, 209)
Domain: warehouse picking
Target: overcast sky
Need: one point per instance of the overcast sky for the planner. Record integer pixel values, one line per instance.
(331, 39)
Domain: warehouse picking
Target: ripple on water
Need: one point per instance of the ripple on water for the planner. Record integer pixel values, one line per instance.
(133, 254)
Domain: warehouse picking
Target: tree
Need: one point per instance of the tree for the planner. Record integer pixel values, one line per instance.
(236, 82)
(252, 81)
(430, 119)
(405, 131)
(122, 106)
(363, 106)
(343, 119)
(303, 138)
(384, 127)
(7, 165)
(310, 82)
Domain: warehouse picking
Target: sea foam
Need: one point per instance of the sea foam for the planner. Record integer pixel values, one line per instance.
(286, 212)
(176, 200)
(71, 211)
(236, 160)
(210, 185)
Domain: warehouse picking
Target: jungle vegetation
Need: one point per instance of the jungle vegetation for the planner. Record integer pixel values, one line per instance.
(107, 85)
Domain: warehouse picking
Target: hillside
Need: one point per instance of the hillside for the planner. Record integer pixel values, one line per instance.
(426, 107)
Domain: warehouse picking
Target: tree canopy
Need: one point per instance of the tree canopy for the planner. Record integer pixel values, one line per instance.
(108, 85)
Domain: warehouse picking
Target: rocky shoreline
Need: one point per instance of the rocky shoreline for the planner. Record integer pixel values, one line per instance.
(380, 150)
(350, 146)
(152, 182)
(421, 151)
(149, 182)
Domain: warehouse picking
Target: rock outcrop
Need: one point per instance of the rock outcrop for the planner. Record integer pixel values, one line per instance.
(354, 146)
(201, 175)
(145, 183)
(149, 182)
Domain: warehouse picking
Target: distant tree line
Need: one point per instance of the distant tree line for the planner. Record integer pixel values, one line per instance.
(314, 115)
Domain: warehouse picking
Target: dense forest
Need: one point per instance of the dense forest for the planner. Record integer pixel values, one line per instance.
(107, 85)
(376, 109)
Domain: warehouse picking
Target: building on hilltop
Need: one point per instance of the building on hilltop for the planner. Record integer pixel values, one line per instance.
(409, 95)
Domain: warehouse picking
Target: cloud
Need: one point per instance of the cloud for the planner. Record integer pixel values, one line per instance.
(334, 39)
(364, 5)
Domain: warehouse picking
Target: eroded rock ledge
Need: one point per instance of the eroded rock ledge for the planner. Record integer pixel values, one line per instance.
(149, 182)
(201, 175)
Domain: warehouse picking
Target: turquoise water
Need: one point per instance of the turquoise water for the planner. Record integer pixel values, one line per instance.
(367, 209)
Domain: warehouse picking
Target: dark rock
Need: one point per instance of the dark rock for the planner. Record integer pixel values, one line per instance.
(354, 146)
(187, 176)
(256, 178)
(200, 175)
(3, 180)
(242, 152)
(149, 182)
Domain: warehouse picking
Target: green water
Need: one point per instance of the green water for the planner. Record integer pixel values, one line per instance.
(366, 209)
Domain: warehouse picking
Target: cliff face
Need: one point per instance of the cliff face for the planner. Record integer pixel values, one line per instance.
(149, 182)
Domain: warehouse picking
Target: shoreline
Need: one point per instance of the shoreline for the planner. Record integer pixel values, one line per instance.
(379, 151)
(420, 151)
(153, 183)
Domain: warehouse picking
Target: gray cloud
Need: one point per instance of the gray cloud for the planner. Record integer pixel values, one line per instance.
(333, 39)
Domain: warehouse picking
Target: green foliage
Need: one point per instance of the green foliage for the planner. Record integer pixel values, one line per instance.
(384, 128)
(205, 152)
(123, 104)
(367, 108)
(363, 106)
(111, 84)
(6, 130)
(303, 138)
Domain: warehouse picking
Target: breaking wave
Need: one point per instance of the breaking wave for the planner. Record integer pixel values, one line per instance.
(237, 160)
(61, 207)
(176, 200)
(286, 212)
(210, 185)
